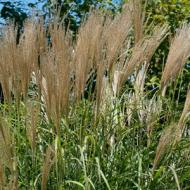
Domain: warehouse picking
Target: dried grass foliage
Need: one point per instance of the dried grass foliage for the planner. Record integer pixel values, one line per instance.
(87, 52)
(65, 64)
(138, 19)
(32, 122)
(7, 157)
(17, 60)
(172, 134)
(6, 151)
(185, 113)
(116, 33)
(178, 54)
(143, 51)
(165, 144)
(56, 73)
(48, 162)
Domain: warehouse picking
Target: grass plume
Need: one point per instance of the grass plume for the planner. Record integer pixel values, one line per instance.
(177, 57)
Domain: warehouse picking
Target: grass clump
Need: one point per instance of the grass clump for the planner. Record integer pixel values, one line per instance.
(76, 113)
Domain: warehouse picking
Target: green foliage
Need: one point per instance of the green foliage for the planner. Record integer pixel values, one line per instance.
(173, 11)
(75, 11)
(86, 159)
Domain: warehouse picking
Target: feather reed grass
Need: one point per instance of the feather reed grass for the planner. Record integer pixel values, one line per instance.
(32, 121)
(7, 54)
(178, 54)
(185, 113)
(106, 53)
(172, 134)
(17, 61)
(143, 51)
(138, 19)
(7, 157)
(87, 51)
(56, 71)
(48, 162)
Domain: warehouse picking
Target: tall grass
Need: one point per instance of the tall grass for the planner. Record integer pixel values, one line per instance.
(76, 114)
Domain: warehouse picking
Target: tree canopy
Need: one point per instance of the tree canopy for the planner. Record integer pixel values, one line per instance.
(72, 11)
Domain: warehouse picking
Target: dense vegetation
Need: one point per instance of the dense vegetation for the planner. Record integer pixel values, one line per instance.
(102, 106)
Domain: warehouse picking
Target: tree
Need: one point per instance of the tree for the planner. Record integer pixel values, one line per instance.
(75, 11)
(71, 11)
(13, 11)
